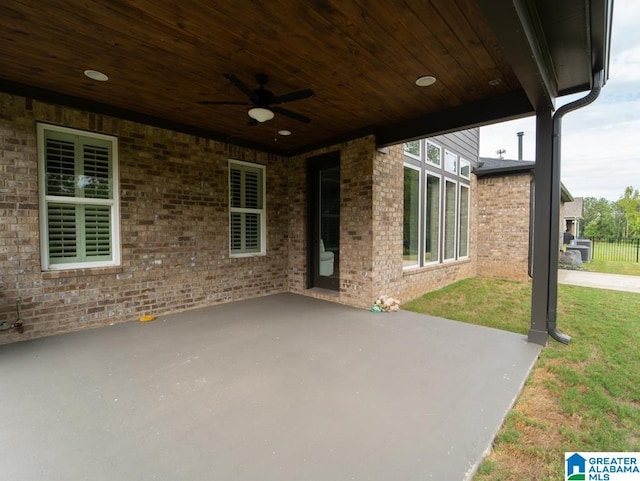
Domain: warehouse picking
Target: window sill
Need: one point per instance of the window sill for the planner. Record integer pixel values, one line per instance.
(81, 272)
(245, 256)
(435, 266)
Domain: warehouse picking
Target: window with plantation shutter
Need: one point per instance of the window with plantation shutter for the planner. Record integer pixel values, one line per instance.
(246, 209)
(78, 198)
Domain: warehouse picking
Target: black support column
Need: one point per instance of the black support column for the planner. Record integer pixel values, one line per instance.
(545, 255)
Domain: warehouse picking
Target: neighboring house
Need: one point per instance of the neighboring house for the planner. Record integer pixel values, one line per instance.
(573, 217)
(505, 199)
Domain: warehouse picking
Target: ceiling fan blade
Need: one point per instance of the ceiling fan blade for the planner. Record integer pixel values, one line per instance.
(292, 115)
(239, 84)
(290, 97)
(212, 102)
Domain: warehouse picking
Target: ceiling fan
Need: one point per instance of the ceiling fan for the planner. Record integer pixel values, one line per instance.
(262, 102)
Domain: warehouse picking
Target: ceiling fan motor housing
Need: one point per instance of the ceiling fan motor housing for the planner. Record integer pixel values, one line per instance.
(261, 98)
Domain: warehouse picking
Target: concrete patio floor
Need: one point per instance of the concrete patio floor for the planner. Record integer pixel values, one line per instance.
(283, 388)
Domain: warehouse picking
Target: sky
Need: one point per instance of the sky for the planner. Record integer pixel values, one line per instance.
(600, 142)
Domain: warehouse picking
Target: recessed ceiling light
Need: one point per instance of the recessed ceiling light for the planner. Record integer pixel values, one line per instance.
(425, 81)
(495, 81)
(284, 132)
(96, 75)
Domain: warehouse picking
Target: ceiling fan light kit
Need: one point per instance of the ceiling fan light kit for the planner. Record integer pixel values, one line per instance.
(260, 114)
(261, 100)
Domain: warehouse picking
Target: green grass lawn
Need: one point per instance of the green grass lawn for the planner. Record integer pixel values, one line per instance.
(613, 267)
(584, 396)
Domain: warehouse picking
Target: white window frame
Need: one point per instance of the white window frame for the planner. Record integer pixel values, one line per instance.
(456, 221)
(459, 217)
(456, 167)
(420, 209)
(424, 217)
(445, 176)
(466, 163)
(261, 212)
(409, 154)
(45, 200)
(426, 154)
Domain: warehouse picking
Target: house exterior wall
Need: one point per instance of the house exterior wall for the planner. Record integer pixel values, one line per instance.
(465, 143)
(503, 226)
(371, 228)
(174, 227)
(356, 227)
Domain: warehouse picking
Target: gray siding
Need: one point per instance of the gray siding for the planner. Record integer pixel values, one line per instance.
(464, 142)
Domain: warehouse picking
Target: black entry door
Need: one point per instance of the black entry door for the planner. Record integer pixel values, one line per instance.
(323, 250)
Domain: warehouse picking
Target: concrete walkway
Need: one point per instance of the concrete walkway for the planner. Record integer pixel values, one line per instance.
(601, 281)
(279, 388)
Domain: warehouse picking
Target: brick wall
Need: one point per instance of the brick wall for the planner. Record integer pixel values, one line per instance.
(388, 216)
(371, 230)
(503, 232)
(174, 227)
(356, 232)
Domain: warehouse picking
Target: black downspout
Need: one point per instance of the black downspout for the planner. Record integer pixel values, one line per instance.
(556, 153)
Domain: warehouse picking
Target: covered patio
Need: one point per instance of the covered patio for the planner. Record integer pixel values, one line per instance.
(177, 102)
(149, 166)
(282, 387)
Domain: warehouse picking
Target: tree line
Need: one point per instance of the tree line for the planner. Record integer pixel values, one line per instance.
(606, 219)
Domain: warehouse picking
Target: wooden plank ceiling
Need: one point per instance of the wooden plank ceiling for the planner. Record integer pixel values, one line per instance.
(361, 58)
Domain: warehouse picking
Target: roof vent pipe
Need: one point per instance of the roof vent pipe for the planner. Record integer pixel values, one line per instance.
(598, 82)
(520, 135)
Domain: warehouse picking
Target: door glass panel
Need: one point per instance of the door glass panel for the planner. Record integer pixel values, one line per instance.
(329, 222)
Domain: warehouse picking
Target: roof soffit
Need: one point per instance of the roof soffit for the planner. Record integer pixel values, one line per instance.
(518, 27)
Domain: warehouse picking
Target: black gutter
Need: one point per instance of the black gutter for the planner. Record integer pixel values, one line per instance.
(480, 172)
(556, 153)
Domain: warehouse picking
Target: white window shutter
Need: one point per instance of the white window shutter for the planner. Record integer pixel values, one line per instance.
(60, 167)
(252, 232)
(62, 232)
(97, 231)
(236, 231)
(95, 176)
